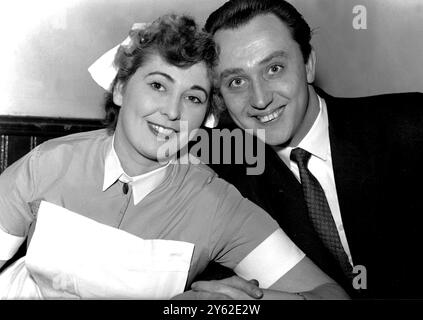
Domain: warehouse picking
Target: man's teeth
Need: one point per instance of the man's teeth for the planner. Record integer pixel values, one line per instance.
(271, 116)
(161, 130)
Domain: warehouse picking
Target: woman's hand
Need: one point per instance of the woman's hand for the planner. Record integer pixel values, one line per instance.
(235, 288)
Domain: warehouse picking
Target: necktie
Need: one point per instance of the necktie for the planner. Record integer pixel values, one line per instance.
(319, 211)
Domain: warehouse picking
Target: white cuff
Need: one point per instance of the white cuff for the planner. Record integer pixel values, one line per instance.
(270, 260)
(9, 244)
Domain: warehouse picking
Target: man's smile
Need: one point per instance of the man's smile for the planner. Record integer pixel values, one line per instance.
(266, 118)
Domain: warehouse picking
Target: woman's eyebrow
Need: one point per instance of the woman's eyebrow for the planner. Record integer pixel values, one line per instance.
(194, 87)
(197, 87)
(161, 74)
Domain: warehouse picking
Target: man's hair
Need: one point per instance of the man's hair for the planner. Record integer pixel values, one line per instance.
(236, 13)
(175, 38)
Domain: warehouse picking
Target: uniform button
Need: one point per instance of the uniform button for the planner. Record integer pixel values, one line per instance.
(125, 188)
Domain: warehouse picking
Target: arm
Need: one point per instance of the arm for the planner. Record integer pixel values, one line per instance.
(9, 245)
(246, 239)
(304, 278)
(282, 270)
(16, 189)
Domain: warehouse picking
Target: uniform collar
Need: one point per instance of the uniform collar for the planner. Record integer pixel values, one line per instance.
(141, 185)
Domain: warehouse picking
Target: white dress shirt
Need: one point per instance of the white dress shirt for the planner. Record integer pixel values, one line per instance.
(317, 143)
(141, 185)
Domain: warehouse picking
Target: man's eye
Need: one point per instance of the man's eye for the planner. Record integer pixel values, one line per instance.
(275, 69)
(157, 86)
(236, 83)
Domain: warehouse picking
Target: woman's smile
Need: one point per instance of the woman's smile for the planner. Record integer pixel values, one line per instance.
(161, 131)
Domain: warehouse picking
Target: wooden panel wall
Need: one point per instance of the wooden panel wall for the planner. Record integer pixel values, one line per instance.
(19, 135)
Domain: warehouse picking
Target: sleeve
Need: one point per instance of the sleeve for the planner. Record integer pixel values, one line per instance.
(17, 186)
(245, 238)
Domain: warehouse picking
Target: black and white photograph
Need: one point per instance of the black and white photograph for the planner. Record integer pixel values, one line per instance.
(211, 154)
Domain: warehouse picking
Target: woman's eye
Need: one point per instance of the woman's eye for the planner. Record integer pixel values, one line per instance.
(194, 99)
(157, 86)
(275, 69)
(236, 83)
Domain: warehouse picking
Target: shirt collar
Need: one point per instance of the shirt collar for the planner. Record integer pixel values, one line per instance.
(141, 185)
(316, 140)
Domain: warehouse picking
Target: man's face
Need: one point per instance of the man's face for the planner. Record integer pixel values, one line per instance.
(264, 80)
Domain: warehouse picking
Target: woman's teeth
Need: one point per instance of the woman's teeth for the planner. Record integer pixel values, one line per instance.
(161, 130)
(270, 117)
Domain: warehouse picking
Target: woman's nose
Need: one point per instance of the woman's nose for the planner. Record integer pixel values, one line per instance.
(172, 109)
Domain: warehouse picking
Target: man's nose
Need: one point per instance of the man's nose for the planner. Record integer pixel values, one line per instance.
(260, 96)
(172, 108)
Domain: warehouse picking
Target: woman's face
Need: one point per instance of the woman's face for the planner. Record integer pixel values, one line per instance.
(161, 103)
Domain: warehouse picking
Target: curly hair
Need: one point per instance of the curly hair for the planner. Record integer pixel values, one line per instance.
(176, 38)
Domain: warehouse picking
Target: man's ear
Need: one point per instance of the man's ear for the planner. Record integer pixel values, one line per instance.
(117, 94)
(311, 67)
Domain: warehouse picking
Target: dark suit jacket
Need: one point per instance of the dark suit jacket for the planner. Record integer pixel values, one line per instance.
(377, 154)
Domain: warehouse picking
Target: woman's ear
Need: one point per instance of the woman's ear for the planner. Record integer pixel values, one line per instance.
(311, 67)
(118, 94)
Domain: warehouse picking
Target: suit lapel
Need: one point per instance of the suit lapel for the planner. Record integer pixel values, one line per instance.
(285, 202)
(352, 171)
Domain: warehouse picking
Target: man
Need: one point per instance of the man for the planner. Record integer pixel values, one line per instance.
(341, 175)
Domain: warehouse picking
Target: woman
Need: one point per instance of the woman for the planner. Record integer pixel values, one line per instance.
(109, 215)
